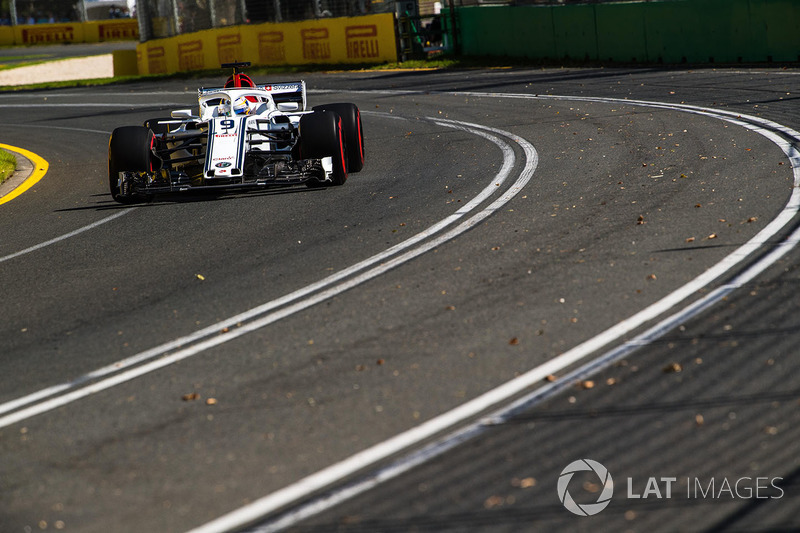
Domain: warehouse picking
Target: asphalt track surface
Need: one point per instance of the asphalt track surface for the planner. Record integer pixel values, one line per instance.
(504, 218)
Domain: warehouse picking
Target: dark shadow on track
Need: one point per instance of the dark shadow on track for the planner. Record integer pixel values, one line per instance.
(164, 200)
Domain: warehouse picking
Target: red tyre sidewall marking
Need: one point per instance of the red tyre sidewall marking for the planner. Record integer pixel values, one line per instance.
(360, 144)
(341, 147)
(152, 151)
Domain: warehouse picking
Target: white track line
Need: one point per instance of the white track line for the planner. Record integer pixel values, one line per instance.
(66, 236)
(265, 314)
(410, 438)
(402, 441)
(475, 429)
(71, 233)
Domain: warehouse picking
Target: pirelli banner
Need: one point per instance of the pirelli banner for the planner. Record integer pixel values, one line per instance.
(366, 39)
(70, 32)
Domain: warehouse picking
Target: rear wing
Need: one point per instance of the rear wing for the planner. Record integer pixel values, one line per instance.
(293, 91)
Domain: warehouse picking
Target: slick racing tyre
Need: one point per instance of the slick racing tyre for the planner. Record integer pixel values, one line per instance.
(321, 135)
(130, 148)
(353, 134)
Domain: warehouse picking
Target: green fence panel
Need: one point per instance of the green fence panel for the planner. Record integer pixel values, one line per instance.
(621, 32)
(781, 24)
(699, 31)
(668, 31)
(497, 30)
(482, 30)
(746, 33)
(674, 32)
(532, 29)
(575, 31)
(712, 31)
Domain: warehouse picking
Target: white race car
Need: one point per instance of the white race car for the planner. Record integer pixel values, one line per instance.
(244, 136)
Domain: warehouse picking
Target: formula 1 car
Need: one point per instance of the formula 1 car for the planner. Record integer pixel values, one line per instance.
(245, 136)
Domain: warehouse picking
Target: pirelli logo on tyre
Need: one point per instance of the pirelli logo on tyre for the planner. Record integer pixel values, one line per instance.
(190, 55)
(362, 42)
(316, 44)
(271, 48)
(156, 60)
(229, 48)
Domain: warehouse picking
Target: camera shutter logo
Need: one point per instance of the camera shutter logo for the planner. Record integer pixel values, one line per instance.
(587, 509)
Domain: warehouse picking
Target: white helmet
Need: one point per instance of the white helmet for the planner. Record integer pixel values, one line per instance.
(242, 106)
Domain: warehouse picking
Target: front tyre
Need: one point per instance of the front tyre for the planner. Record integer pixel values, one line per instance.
(353, 133)
(130, 149)
(321, 135)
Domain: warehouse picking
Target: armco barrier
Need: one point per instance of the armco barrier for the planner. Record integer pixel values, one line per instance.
(366, 39)
(669, 31)
(70, 32)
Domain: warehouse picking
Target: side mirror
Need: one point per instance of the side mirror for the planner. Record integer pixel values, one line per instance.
(182, 113)
(288, 106)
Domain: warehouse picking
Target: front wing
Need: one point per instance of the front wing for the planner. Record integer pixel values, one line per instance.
(227, 153)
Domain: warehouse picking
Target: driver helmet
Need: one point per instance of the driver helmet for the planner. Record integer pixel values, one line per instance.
(223, 110)
(242, 106)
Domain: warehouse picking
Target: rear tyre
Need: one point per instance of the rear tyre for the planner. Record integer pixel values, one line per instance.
(130, 148)
(321, 135)
(353, 134)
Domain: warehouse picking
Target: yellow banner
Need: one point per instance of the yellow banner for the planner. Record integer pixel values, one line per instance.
(6, 36)
(71, 32)
(111, 30)
(48, 33)
(367, 39)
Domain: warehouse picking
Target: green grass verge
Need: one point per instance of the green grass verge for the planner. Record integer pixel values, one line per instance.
(444, 62)
(28, 57)
(11, 62)
(8, 164)
(10, 66)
